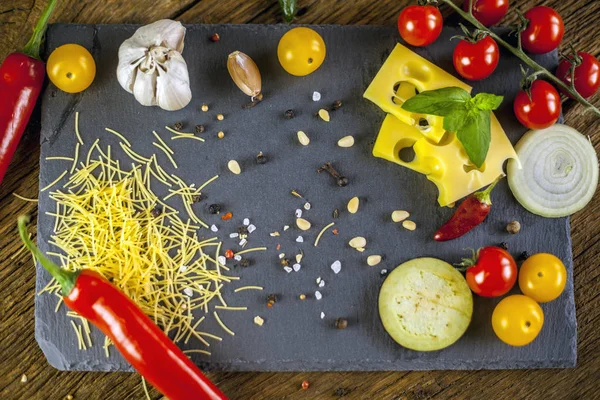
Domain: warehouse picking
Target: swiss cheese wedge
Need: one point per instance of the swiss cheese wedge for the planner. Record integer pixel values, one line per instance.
(438, 154)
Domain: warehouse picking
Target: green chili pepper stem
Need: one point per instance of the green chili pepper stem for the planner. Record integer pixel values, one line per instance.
(289, 8)
(484, 195)
(65, 278)
(32, 48)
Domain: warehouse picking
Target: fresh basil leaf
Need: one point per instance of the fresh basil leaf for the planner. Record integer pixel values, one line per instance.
(475, 136)
(440, 102)
(456, 119)
(486, 101)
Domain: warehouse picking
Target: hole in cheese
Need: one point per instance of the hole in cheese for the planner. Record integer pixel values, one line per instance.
(470, 167)
(407, 154)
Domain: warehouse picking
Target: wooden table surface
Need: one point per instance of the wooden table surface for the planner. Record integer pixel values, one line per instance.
(21, 355)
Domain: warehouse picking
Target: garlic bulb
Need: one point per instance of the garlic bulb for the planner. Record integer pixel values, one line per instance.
(245, 74)
(152, 68)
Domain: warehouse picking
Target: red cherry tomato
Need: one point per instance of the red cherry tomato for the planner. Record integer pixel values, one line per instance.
(420, 25)
(587, 74)
(544, 31)
(542, 109)
(477, 60)
(494, 273)
(488, 12)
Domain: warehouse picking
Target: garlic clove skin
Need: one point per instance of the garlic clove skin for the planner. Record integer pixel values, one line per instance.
(245, 73)
(151, 66)
(173, 90)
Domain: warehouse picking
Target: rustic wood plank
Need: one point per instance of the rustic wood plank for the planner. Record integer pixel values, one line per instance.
(17, 277)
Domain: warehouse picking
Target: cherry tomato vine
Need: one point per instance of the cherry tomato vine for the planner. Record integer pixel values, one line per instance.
(538, 70)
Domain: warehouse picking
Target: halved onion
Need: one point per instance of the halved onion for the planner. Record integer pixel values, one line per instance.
(559, 173)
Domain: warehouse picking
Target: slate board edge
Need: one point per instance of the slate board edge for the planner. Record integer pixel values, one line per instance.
(293, 365)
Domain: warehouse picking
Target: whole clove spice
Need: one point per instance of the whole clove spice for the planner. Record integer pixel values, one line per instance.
(341, 181)
(199, 128)
(289, 114)
(178, 126)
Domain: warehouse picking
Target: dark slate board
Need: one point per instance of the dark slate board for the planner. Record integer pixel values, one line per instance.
(294, 337)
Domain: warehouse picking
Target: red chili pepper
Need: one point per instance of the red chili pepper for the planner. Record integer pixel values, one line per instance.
(21, 79)
(471, 212)
(147, 348)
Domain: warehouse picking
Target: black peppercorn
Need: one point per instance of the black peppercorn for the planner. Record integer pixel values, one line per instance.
(261, 158)
(289, 114)
(242, 230)
(214, 209)
(504, 245)
(178, 126)
(341, 323)
(199, 128)
(342, 181)
(423, 122)
(197, 198)
(336, 105)
(156, 211)
(524, 256)
(285, 262)
(244, 262)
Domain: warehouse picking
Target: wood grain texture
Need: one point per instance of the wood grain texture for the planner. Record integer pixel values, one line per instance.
(20, 354)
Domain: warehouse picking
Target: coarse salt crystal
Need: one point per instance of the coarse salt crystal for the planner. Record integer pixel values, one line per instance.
(318, 295)
(188, 292)
(274, 234)
(222, 260)
(183, 268)
(307, 206)
(383, 271)
(296, 267)
(214, 228)
(316, 96)
(298, 213)
(286, 227)
(322, 284)
(318, 280)
(336, 267)
(246, 222)
(243, 242)
(259, 321)
(287, 269)
(300, 239)
(251, 228)
(281, 255)
(322, 315)
(237, 258)
(234, 235)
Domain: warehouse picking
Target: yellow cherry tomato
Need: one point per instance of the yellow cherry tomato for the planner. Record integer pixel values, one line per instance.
(517, 320)
(301, 51)
(542, 277)
(71, 68)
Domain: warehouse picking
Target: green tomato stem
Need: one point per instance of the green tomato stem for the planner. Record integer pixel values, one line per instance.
(538, 69)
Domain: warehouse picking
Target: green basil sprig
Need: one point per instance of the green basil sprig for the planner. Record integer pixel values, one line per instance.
(468, 117)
